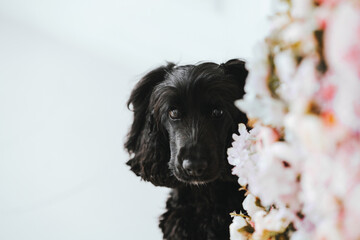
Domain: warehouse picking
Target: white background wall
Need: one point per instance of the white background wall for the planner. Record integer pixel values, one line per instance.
(66, 70)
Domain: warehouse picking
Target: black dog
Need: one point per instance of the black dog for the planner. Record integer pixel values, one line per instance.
(184, 118)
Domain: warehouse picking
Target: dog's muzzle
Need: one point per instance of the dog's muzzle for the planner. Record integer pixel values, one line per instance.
(194, 168)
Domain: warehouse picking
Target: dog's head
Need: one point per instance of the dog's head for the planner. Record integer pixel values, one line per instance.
(184, 118)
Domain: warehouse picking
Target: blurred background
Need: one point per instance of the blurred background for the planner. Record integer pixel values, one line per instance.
(66, 70)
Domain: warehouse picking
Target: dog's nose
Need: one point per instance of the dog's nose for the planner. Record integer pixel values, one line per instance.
(194, 168)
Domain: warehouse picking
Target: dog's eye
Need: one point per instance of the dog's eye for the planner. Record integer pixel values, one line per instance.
(216, 113)
(174, 114)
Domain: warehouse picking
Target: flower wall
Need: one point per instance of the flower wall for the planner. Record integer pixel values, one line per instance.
(300, 162)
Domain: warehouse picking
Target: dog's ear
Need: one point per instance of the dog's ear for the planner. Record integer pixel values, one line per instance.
(149, 150)
(236, 73)
(139, 102)
(235, 69)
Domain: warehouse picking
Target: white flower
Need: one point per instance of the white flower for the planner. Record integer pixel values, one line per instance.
(275, 221)
(299, 33)
(342, 43)
(303, 87)
(243, 155)
(275, 183)
(313, 133)
(301, 235)
(285, 70)
(278, 220)
(238, 223)
(352, 214)
(259, 69)
(250, 206)
(343, 56)
(257, 102)
(302, 9)
(270, 111)
(347, 100)
(302, 158)
(328, 229)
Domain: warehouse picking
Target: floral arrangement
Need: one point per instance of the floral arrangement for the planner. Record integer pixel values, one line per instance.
(300, 162)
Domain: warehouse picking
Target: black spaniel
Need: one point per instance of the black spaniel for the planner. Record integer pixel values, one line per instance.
(184, 118)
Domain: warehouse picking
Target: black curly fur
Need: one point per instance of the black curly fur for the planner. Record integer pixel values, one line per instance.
(159, 145)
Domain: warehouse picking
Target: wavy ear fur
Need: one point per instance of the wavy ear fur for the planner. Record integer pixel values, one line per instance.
(149, 150)
(236, 69)
(237, 73)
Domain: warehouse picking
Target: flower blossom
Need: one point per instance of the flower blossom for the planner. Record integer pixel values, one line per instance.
(300, 163)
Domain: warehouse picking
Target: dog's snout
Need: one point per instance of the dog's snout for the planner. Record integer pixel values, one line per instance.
(194, 168)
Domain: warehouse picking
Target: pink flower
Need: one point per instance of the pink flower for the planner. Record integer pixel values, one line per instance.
(301, 161)
(342, 52)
